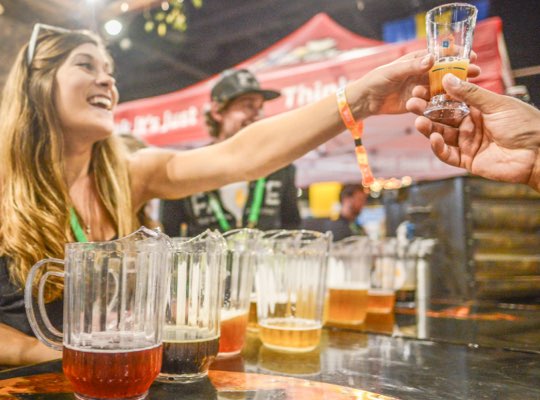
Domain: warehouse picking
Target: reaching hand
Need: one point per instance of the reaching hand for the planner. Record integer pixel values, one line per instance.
(499, 139)
(388, 87)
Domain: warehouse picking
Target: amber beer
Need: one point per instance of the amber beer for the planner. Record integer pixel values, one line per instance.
(186, 356)
(381, 301)
(457, 67)
(253, 324)
(290, 334)
(380, 322)
(111, 373)
(233, 331)
(347, 304)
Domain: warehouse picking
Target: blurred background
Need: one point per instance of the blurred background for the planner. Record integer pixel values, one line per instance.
(208, 36)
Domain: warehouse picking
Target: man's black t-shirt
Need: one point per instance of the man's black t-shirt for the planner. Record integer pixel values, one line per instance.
(278, 209)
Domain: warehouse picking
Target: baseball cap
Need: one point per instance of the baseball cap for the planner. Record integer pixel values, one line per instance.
(236, 82)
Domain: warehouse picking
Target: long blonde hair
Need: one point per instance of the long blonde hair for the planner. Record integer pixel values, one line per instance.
(34, 197)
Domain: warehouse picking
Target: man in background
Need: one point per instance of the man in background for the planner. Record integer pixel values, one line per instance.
(352, 198)
(268, 203)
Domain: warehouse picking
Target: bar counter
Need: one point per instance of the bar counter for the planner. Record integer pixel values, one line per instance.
(347, 365)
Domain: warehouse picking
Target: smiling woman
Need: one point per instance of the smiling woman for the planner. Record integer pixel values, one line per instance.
(66, 177)
(61, 164)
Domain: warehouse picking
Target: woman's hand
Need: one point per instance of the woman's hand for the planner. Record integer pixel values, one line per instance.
(386, 89)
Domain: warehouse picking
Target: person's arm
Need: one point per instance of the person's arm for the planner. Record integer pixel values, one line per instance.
(272, 143)
(20, 349)
(499, 139)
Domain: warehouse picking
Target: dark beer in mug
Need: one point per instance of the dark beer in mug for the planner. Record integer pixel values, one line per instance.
(111, 374)
(187, 357)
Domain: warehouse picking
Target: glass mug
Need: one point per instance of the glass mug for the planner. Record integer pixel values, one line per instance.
(382, 293)
(114, 296)
(192, 307)
(239, 272)
(291, 284)
(348, 281)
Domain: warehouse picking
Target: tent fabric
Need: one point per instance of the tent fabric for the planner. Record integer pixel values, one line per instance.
(307, 65)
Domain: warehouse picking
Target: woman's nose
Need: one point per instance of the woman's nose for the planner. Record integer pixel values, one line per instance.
(105, 79)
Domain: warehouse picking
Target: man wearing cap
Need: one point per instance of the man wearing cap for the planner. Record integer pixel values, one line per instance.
(268, 203)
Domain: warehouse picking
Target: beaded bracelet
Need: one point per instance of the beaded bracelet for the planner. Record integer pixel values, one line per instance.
(357, 129)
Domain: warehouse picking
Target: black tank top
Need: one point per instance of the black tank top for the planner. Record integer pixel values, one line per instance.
(12, 311)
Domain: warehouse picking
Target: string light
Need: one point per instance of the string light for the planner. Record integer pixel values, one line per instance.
(170, 15)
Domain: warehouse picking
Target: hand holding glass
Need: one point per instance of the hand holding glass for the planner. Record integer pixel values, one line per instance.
(449, 31)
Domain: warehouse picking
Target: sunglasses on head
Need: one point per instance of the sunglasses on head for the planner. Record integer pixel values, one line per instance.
(33, 38)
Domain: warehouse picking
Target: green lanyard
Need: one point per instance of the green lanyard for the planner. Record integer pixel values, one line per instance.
(76, 226)
(254, 212)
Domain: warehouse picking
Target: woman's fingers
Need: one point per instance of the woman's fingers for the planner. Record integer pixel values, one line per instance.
(416, 105)
(421, 92)
(473, 71)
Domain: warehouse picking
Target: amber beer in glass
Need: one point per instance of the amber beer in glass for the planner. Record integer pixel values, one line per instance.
(291, 284)
(253, 322)
(114, 295)
(449, 30)
(238, 284)
(195, 294)
(382, 294)
(348, 281)
(91, 371)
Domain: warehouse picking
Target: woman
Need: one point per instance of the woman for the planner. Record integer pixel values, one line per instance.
(65, 177)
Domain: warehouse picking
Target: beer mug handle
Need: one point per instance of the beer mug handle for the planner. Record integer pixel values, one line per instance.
(52, 338)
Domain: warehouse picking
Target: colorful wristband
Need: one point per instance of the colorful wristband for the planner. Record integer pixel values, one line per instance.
(357, 129)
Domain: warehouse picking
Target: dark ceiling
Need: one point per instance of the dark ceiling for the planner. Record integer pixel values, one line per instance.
(225, 32)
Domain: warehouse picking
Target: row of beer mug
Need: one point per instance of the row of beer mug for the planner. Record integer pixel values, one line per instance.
(148, 306)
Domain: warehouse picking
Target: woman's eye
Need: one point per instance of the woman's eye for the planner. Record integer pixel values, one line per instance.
(87, 66)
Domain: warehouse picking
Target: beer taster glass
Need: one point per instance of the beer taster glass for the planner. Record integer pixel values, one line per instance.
(382, 294)
(449, 31)
(239, 273)
(348, 281)
(291, 283)
(114, 296)
(193, 304)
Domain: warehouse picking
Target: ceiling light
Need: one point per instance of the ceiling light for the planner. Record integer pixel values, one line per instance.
(113, 27)
(124, 7)
(125, 44)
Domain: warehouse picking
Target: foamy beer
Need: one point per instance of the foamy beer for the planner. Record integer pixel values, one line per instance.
(449, 30)
(382, 295)
(348, 281)
(291, 282)
(193, 304)
(113, 315)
